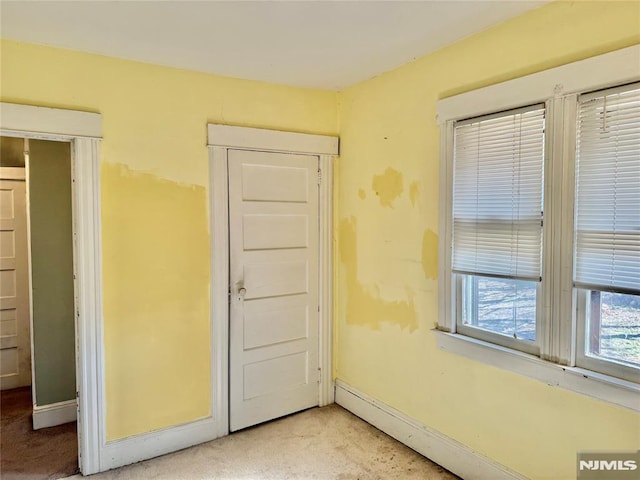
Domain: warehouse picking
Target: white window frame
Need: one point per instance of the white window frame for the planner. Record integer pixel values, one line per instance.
(558, 88)
(488, 335)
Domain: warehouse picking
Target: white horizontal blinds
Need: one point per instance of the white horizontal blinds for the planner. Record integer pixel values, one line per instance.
(608, 191)
(497, 199)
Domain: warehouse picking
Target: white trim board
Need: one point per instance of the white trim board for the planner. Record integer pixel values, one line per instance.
(326, 281)
(153, 444)
(219, 210)
(618, 67)
(222, 138)
(54, 414)
(439, 448)
(267, 140)
(15, 117)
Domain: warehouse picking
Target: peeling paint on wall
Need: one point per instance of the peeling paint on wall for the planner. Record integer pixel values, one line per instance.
(430, 254)
(414, 192)
(388, 186)
(364, 308)
(362, 194)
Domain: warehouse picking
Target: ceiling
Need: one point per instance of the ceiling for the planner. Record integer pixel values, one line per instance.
(323, 44)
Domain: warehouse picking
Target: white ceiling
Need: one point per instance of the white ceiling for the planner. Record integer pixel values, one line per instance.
(325, 44)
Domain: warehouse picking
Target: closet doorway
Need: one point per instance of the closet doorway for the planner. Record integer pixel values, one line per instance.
(37, 325)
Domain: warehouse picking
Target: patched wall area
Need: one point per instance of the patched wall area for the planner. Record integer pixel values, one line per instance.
(156, 282)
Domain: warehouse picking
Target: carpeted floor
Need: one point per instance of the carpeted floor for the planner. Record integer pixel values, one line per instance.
(319, 444)
(26, 454)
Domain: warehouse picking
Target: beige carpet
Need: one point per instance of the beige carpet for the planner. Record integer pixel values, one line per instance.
(321, 443)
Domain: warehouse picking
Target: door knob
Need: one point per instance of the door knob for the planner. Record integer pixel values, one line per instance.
(240, 290)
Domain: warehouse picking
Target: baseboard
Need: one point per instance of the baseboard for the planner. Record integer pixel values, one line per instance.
(55, 414)
(153, 444)
(439, 448)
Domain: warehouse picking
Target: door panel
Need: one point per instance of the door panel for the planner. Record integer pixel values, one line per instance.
(15, 342)
(273, 238)
(270, 376)
(269, 279)
(275, 231)
(275, 320)
(272, 183)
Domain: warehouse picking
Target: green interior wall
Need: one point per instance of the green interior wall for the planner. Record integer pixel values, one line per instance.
(52, 271)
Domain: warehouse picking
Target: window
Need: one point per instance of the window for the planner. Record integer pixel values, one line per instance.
(540, 221)
(497, 225)
(607, 242)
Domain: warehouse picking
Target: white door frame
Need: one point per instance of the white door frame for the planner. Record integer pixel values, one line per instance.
(84, 131)
(222, 138)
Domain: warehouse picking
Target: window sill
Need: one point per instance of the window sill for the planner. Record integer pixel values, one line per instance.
(602, 387)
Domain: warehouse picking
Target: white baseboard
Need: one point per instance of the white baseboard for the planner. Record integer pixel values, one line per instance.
(153, 444)
(55, 414)
(444, 451)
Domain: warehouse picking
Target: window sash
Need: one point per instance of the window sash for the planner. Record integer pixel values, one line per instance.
(526, 346)
(602, 365)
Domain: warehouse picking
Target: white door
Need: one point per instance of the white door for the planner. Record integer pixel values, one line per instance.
(15, 342)
(273, 238)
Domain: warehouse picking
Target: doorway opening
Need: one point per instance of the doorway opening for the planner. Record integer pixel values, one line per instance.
(37, 324)
(271, 198)
(83, 130)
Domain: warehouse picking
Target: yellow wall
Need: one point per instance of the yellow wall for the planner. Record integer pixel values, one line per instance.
(154, 210)
(156, 237)
(386, 266)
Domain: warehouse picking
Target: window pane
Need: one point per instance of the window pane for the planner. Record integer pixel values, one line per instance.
(507, 307)
(614, 327)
